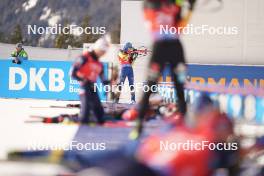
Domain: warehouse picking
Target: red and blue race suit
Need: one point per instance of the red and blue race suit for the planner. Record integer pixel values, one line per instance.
(87, 69)
(126, 60)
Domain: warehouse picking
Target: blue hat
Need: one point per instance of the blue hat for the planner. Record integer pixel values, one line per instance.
(127, 46)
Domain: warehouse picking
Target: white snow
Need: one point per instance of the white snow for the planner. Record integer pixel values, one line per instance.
(54, 19)
(16, 134)
(17, 10)
(32, 169)
(29, 4)
(45, 14)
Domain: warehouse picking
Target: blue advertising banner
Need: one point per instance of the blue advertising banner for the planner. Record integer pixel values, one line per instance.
(224, 75)
(235, 103)
(39, 79)
(229, 76)
(249, 107)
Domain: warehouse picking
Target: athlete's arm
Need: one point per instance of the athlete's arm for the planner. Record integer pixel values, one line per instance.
(185, 20)
(105, 81)
(24, 54)
(14, 54)
(77, 65)
(133, 55)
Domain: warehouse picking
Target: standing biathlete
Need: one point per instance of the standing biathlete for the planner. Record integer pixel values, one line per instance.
(167, 49)
(86, 70)
(126, 57)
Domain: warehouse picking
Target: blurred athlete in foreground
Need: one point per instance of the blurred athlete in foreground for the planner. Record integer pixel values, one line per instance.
(198, 149)
(87, 69)
(167, 49)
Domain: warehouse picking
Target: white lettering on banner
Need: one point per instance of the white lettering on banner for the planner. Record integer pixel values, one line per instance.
(13, 71)
(56, 79)
(72, 81)
(35, 79)
(56, 76)
(72, 89)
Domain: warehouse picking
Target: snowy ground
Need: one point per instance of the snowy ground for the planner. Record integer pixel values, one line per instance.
(16, 134)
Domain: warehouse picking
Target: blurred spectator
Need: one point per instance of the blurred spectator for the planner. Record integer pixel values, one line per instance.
(19, 54)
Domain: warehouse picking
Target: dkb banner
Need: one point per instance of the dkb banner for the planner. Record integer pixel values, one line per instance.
(39, 79)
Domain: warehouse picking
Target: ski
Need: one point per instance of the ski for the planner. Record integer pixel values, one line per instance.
(71, 106)
(63, 118)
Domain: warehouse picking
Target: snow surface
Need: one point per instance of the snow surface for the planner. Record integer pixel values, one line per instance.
(32, 169)
(16, 134)
(54, 19)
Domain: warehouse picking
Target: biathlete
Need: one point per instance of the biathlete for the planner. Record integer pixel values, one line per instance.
(126, 57)
(167, 49)
(87, 69)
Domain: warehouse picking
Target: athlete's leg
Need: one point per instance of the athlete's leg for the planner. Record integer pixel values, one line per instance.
(131, 83)
(85, 96)
(153, 75)
(123, 76)
(97, 107)
(178, 68)
(160, 56)
(179, 87)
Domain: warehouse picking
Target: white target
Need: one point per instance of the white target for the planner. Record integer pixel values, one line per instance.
(191, 96)
(236, 104)
(250, 107)
(223, 103)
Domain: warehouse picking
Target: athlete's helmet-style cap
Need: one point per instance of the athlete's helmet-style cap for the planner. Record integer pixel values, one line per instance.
(19, 45)
(102, 43)
(127, 46)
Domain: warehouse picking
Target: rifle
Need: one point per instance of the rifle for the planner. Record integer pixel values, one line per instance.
(141, 51)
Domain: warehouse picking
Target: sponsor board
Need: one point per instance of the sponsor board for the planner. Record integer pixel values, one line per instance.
(39, 79)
